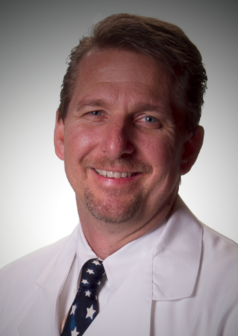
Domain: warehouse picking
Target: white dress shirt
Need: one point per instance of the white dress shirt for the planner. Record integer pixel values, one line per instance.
(117, 267)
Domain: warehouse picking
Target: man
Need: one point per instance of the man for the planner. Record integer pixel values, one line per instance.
(127, 128)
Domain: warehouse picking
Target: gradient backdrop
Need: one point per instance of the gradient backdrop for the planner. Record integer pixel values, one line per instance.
(36, 201)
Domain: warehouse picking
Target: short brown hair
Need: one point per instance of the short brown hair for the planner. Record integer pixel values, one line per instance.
(160, 40)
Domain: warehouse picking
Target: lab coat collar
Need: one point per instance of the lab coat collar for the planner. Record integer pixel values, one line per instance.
(177, 256)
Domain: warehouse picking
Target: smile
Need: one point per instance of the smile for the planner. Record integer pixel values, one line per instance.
(111, 174)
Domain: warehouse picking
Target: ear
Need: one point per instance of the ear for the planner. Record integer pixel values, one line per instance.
(59, 137)
(191, 149)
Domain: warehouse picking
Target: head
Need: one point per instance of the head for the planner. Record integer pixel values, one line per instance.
(162, 41)
(127, 126)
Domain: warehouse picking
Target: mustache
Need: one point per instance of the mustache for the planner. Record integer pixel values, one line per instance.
(127, 164)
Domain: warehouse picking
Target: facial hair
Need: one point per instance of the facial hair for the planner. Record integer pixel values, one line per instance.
(112, 211)
(120, 205)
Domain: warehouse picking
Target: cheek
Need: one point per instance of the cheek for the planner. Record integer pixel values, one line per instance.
(162, 152)
(78, 143)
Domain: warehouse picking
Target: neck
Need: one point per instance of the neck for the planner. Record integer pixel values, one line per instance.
(107, 238)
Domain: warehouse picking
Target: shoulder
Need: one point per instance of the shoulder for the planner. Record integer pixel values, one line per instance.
(24, 271)
(218, 247)
(38, 256)
(219, 261)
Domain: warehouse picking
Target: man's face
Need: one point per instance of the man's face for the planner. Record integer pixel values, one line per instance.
(121, 147)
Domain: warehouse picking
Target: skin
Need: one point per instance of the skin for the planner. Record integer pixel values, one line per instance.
(120, 119)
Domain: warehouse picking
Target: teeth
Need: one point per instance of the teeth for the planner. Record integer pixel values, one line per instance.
(117, 175)
(107, 173)
(110, 174)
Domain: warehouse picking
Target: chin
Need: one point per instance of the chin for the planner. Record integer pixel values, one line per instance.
(113, 211)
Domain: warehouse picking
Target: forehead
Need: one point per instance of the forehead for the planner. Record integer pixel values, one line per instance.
(121, 74)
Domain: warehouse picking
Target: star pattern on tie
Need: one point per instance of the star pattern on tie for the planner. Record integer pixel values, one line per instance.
(96, 262)
(74, 332)
(88, 293)
(90, 312)
(73, 309)
(84, 281)
(85, 306)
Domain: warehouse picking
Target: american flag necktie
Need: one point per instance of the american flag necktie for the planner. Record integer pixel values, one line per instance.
(85, 306)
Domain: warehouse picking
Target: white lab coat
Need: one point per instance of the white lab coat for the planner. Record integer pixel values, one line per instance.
(186, 286)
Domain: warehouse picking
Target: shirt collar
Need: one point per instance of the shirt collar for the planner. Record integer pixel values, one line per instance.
(84, 251)
(119, 264)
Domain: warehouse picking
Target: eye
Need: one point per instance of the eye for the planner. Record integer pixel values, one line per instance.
(95, 116)
(95, 113)
(151, 120)
(148, 121)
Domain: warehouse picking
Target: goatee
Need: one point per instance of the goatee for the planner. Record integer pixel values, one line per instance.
(113, 210)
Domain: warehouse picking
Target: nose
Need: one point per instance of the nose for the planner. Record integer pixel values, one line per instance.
(117, 139)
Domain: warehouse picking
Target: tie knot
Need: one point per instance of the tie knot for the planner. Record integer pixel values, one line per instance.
(92, 274)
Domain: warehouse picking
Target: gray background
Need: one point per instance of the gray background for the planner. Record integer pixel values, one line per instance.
(37, 204)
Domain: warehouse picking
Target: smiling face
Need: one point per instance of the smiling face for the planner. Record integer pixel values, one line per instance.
(123, 152)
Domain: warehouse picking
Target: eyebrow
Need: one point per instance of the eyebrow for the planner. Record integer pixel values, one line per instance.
(149, 107)
(83, 103)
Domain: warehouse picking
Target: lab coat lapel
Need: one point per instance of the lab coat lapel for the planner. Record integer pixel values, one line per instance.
(177, 256)
(45, 302)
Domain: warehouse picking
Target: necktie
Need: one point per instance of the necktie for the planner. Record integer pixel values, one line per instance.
(84, 308)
